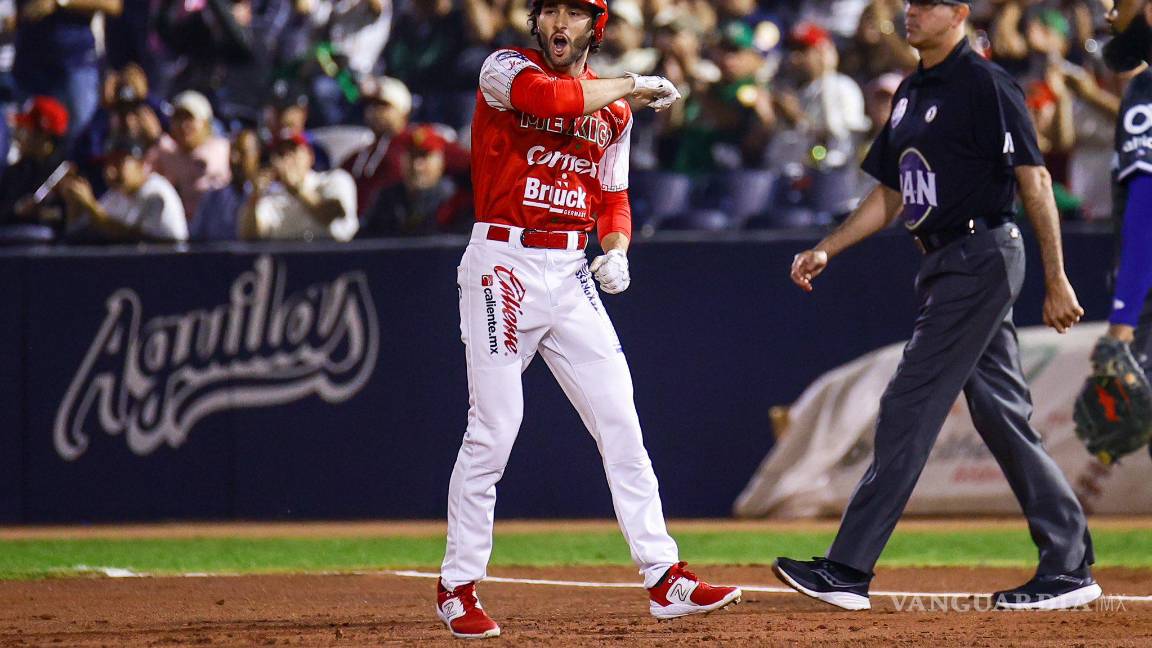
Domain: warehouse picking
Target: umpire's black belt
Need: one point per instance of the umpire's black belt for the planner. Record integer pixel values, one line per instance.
(929, 242)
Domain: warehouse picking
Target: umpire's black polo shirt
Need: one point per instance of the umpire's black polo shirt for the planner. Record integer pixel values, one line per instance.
(956, 132)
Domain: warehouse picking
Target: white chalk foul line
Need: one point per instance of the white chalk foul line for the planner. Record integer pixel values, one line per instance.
(119, 572)
(747, 588)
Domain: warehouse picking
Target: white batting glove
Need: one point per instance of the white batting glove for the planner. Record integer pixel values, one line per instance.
(665, 92)
(611, 270)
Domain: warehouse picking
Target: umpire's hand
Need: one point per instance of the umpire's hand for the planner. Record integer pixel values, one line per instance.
(1061, 310)
(808, 265)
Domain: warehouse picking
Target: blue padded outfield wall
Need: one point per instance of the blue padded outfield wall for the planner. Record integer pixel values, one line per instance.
(328, 381)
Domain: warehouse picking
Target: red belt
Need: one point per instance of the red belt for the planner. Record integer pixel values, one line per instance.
(531, 238)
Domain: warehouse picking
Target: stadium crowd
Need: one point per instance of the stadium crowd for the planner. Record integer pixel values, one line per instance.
(207, 120)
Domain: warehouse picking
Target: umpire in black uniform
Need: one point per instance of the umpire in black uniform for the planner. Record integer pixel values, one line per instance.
(949, 161)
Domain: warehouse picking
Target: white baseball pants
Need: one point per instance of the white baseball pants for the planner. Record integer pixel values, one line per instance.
(515, 302)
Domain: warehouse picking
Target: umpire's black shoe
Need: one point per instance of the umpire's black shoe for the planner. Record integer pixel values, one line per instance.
(1051, 592)
(826, 580)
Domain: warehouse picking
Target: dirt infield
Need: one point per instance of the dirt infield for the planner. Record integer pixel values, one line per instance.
(380, 609)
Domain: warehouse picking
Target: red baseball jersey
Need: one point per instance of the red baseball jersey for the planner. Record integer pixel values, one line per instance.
(542, 172)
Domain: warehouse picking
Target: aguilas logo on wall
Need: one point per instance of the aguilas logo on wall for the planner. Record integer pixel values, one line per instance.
(153, 380)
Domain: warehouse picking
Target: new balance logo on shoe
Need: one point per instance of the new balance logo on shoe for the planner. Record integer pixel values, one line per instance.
(682, 590)
(460, 610)
(452, 609)
(680, 593)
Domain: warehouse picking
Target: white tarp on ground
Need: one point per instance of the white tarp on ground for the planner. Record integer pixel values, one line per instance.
(814, 468)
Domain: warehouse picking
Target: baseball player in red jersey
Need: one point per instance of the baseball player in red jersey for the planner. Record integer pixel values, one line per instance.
(549, 162)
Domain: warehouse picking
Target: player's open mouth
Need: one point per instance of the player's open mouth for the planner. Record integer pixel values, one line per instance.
(559, 44)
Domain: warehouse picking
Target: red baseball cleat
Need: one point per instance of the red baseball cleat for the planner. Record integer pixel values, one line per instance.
(461, 611)
(679, 593)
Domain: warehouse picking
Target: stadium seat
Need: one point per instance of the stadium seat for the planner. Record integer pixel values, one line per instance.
(834, 191)
(740, 194)
(706, 220)
(791, 203)
(787, 216)
(657, 195)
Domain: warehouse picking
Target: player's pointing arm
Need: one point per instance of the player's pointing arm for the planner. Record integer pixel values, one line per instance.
(509, 80)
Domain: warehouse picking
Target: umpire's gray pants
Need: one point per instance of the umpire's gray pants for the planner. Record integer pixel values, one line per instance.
(964, 339)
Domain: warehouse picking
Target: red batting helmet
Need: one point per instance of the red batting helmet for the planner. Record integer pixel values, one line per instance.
(599, 11)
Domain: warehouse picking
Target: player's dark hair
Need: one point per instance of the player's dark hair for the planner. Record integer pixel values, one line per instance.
(534, 13)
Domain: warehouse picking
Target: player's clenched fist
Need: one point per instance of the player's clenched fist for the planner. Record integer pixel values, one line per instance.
(611, 270)
(656, 92)
(808, 265)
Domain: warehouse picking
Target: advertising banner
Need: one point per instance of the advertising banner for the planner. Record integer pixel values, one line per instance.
(813, 470)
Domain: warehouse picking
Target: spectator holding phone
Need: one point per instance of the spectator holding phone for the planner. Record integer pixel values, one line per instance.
(293, 202)
(139, 206)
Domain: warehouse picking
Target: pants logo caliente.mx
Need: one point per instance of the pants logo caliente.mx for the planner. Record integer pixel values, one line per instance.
(512, 293)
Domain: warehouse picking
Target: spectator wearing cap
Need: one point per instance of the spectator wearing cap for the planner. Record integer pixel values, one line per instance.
(191, 156)
(426, 201)
(287, 111)
(297, 203)
(56, 53)
(387, 104)
(827, 112)
(139, 206)
(40, 132)
(218, 216)
(380, 165)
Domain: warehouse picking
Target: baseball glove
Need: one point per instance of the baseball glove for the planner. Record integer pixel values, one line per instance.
(1113, 412)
